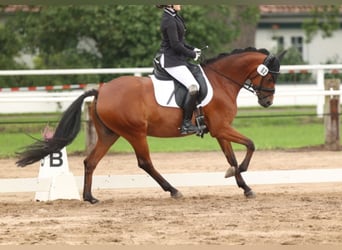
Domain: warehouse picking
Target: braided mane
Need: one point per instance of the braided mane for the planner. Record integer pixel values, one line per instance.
(235, 51)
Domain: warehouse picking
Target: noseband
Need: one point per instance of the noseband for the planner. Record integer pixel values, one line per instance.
(258, 89)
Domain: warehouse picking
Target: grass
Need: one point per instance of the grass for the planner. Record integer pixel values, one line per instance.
(277, 128)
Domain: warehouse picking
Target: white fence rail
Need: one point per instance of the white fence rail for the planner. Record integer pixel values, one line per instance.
(289, 94)
(135, 71)
(214, 179)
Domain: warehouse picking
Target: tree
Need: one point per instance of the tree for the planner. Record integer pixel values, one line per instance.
(325, 19)
(113, 36)
(9, 49)
(245, 18)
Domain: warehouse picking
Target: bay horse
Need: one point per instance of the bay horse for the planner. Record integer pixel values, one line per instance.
(126, 107)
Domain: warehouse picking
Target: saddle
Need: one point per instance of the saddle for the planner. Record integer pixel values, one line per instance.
(179, 90)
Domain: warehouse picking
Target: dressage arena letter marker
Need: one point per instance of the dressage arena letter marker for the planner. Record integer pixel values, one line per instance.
(54, 168)
(56, 159)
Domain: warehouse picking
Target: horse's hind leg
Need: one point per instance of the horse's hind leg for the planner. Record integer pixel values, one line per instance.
(144, 161)
(104, 142)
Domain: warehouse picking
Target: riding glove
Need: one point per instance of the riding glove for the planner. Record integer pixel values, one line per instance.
(198, 53)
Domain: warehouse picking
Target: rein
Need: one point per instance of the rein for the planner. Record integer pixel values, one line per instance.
(262, 70)
(246, 85)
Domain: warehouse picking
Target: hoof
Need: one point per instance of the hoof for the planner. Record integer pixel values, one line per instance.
(92, 200)
(250, 194)
(177, 195)
(230, 172)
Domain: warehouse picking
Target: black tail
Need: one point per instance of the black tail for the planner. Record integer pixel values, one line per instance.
(66, 131)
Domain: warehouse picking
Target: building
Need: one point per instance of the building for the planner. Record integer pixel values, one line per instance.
(281, 26)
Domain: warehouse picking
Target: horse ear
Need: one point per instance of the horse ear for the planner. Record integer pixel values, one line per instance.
(281, 55)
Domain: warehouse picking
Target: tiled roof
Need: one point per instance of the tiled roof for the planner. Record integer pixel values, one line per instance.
(264, 9)
(287, 9)
(16, 8)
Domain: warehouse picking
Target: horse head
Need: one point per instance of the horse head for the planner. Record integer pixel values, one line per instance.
(264, 78)
(256, 70)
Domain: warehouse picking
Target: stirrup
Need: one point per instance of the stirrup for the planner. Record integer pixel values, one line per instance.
(188, 129)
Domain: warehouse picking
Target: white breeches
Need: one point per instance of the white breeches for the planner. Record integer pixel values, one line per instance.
(183, 75)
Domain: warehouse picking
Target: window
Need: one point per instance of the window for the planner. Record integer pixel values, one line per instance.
(280, 42)
(297, 42)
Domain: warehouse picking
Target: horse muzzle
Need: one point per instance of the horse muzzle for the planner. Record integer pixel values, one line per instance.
(265, 101)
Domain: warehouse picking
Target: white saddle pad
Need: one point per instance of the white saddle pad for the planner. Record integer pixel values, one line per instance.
(164, 89)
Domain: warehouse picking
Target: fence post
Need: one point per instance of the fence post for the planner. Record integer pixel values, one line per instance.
(332, 121)
(320, 85)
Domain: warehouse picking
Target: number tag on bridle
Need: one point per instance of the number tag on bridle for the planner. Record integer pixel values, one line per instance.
(262, 70)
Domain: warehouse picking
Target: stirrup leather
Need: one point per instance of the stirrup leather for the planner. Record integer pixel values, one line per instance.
(200, 123)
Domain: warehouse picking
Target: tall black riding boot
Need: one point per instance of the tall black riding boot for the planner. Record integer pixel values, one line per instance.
(189, 107)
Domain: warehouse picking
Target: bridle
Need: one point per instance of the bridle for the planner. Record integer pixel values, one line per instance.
(262, 70)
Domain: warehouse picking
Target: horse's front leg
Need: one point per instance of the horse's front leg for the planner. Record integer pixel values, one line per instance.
(234, 136)
(234, 170)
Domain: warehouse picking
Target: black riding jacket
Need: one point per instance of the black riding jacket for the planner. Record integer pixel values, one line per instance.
(176, 51)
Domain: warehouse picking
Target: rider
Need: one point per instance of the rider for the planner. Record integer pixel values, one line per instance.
(174, 55)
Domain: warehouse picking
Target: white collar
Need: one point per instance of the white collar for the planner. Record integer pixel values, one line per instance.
(170, 11)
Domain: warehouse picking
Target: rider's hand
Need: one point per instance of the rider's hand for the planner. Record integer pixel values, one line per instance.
(198, 53)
